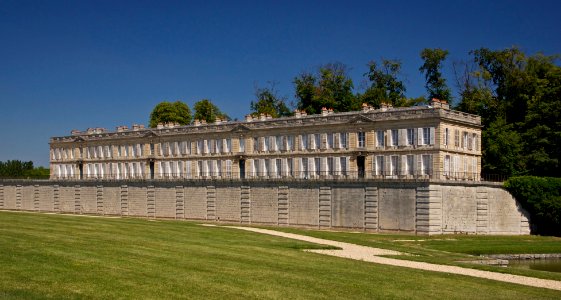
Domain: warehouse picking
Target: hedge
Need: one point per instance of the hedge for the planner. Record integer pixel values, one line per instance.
(541, 197)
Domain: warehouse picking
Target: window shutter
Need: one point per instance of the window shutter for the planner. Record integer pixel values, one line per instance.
(402, 135)
(419, 136)
(432, 135)
(419, 164)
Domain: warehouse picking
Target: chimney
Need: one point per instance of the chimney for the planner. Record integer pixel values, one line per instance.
(75, 132)
(196, 122)
(444, 104)
(269, 117)
(383, 106)
(124, 128)
(262, 117)
(330, 111)
(248, 118)
(324, 111)
(435, 102)
(297, 113)
(203, 122)
(304, 113)
(217, 121)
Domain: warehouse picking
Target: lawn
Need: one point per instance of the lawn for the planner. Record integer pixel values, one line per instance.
(73, 257)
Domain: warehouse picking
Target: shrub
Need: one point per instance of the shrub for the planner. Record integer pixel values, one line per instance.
(541, 197)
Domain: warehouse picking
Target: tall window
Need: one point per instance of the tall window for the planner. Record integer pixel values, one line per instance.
(379, 165)
(290, 142)
(395, 137)
(380, 138)
(317, 166)
(410, 136)
(344, 165)
(278, 143)
(344, 140)
(255, 144)
(426, 136)
(457, 138)
(394, 165)
(465, 140)
(242, 145)
(330, 140)
(330, 165)
(447, 165)
(361, 139)
(304, 141)
(228, 168)
(426, 165)
(410, 166)
(446, 136)
(304, 168)
(278, 166)
(317, 141)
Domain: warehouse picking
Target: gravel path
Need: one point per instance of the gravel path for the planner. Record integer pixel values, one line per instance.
(370, 254)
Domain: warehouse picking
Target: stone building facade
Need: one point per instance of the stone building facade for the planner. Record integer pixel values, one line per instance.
(429, 142)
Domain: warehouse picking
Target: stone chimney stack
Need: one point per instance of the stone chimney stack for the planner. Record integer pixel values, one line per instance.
(197, 122)
(248, 118)
(297, 113)
(324, 111)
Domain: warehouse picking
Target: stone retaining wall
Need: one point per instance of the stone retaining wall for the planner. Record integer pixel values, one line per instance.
(384, 206)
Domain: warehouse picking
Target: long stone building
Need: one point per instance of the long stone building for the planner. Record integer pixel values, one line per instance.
(411, 169)
(430, 142)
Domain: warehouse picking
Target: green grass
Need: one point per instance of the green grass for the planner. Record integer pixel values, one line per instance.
(72, 257)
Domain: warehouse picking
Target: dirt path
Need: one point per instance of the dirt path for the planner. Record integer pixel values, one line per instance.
(370, 254)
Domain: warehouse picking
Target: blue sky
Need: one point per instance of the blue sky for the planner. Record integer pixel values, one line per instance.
(76, 64)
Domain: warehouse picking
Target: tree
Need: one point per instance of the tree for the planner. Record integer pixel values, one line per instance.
(207, 111)
(268, 102)
(519, 99)
(331, 87)
(384, 84)
(435, 83)
(176, 112)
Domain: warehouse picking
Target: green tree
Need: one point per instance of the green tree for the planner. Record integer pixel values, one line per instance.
(331, 87)
(384, 84)
(15, 168)
(519, 99)
(268, 102)
(164, 112)
(435, 83)
(207, 111)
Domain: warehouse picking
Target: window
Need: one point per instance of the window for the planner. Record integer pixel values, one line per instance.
(425, 166)
(304, 168)
(447, 165)
(465, 140)
(228, 146)
(218, 167)
(290, 167)
(279, 145)
(475, 142)
(330, 166)
(219, 145)
(410, 166)
(410, 136)
(330, 141)
(395, 137)
(317, 141)
(278, 166)
(457, 138)
(344, 142)
(426, 136)
(475, 173)
(317, 166)
(379, 165)
(380, 138)
(290, 142)
(344, 165)
(265, 143)
(446, 136)
(255, 144)
(199, 147)
(229, 168)
(242, 145)
(394, 165)
(361, 139)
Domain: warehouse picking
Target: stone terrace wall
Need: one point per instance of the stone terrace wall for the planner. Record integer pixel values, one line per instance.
(383, 206)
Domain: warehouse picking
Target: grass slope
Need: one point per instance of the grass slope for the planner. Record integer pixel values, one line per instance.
(71, 257)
